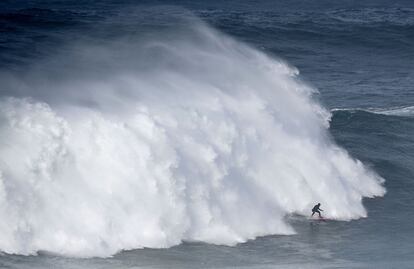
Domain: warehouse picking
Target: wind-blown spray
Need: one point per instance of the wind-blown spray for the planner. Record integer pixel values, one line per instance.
(149, 141)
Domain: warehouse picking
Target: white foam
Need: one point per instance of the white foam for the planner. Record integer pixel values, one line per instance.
(406, 111)
(146, 143)
(402, 111)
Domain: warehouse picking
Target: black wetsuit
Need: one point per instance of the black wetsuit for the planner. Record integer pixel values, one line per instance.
(316, 209)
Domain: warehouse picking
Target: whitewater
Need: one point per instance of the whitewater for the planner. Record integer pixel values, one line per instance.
(152, 140)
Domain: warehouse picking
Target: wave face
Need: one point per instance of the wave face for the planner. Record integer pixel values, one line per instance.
(153, 140)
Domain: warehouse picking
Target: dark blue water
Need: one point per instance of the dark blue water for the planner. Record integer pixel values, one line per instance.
(360, 56)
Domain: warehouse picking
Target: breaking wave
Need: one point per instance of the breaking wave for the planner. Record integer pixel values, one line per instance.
(153, 140)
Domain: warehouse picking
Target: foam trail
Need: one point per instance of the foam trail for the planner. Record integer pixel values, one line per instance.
(402, 111)
(146, 142)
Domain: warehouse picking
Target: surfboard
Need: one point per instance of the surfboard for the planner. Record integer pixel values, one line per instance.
(319, 219)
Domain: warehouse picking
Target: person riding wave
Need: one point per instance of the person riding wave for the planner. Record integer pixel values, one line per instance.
(317, 209)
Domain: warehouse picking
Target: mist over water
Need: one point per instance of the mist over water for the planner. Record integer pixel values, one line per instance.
(149, 140)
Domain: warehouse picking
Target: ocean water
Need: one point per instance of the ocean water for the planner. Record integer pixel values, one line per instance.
(185, 134)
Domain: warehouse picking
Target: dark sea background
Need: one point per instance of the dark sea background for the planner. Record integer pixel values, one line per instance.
(358, 54)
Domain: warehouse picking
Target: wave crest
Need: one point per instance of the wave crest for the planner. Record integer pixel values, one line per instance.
(146, 142)
(401, 111)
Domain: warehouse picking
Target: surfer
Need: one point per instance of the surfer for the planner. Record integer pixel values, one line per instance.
(317, 209)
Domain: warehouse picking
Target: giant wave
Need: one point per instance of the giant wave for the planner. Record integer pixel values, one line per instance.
(148, 141)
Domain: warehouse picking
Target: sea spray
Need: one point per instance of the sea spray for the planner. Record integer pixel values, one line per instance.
(151, 140)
